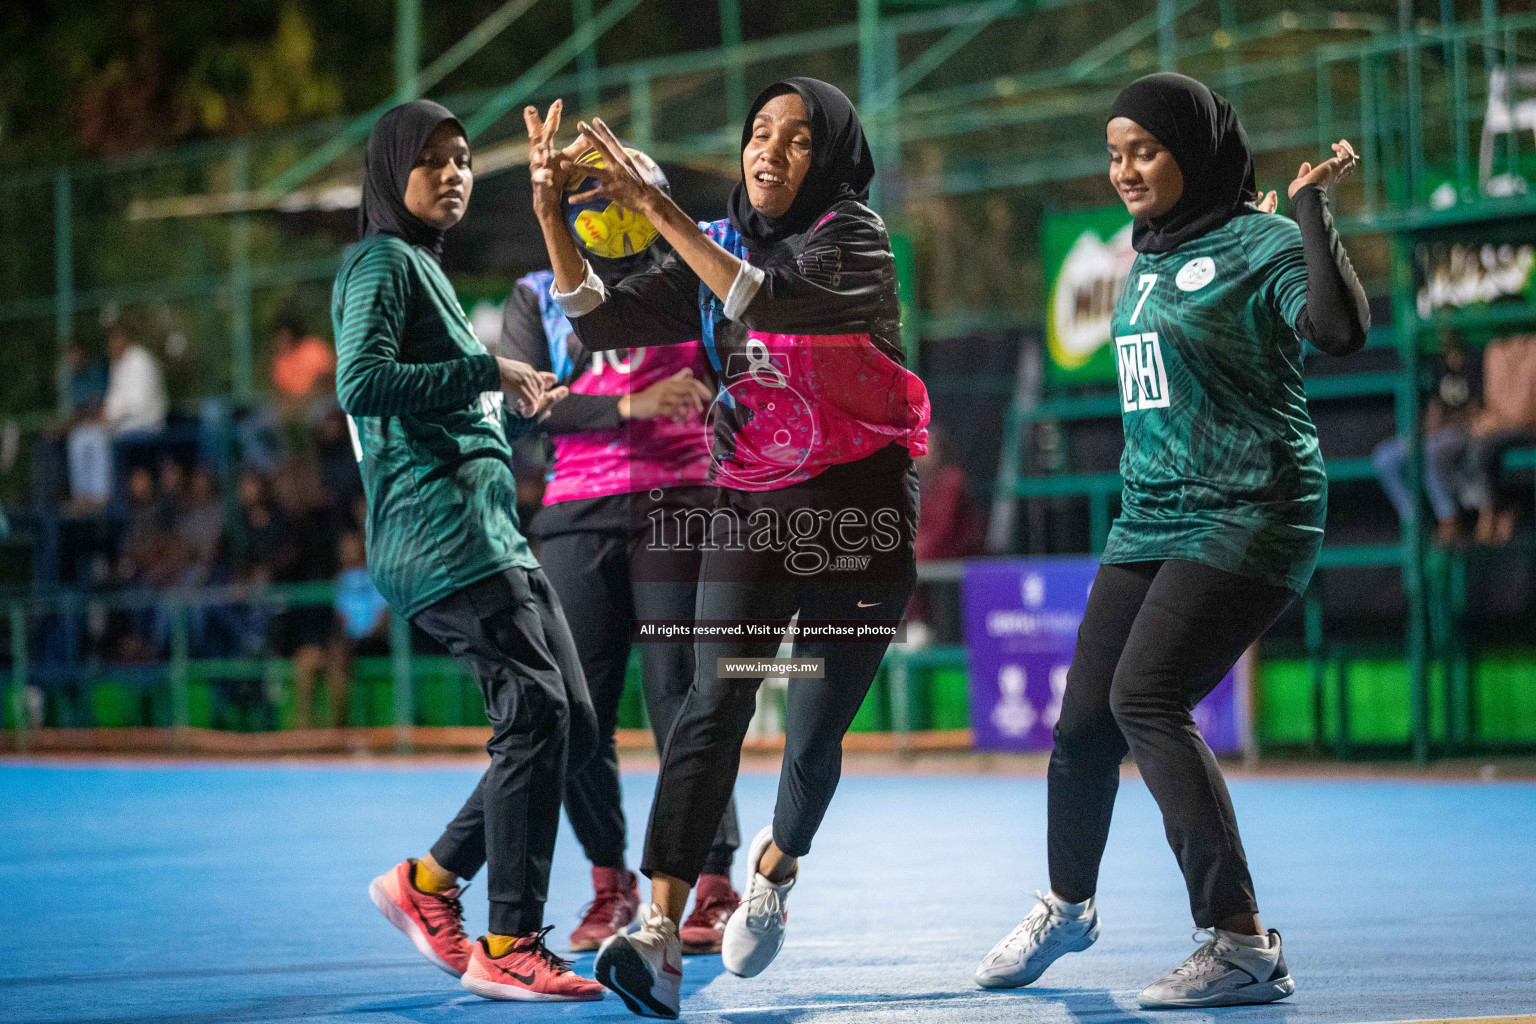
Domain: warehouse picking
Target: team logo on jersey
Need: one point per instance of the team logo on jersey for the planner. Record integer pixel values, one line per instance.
(1196, 274)
(824, 265)
(1143, 380)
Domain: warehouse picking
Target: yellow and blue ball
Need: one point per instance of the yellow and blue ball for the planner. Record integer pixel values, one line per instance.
(602, 226)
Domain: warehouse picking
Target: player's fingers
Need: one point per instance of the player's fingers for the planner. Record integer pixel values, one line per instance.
(547, 379)
(552, 120)
(599, 143)
(532, 123)
(1304, 170)
(549, 399)
(581, 197)
(605, 173)
(620, 157)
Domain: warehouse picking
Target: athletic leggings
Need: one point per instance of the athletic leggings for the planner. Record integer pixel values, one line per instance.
(1156, 638)
(703, 753)
(605, 579)
(508, 630)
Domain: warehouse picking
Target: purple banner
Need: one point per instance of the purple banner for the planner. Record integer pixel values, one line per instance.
(1021, 620)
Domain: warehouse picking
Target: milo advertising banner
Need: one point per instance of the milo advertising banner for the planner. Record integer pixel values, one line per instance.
(1086, 256)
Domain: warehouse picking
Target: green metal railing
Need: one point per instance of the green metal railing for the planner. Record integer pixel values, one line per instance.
(1410, 92)
(179, 666)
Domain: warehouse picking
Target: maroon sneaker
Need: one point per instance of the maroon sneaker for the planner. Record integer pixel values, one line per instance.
(713, 903)
(615, 902)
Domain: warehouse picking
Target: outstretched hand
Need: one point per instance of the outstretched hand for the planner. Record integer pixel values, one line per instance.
(619, 179)
(550, 167)
(1328, 173)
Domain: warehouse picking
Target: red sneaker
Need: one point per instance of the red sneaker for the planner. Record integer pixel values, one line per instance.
(713, 903)
(615, 902)
(433, 921)
(529, 971)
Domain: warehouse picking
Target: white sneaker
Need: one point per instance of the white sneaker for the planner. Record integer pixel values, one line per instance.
(1047, 933)
(1223, 972)
(645, 968)
(755, 931)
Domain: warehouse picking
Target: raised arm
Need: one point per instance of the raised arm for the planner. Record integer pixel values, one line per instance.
(1337, 315)
(659, 305)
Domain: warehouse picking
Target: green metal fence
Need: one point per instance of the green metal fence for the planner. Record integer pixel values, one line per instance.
(961, 100)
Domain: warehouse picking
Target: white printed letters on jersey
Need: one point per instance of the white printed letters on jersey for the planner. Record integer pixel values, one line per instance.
(1139, 357)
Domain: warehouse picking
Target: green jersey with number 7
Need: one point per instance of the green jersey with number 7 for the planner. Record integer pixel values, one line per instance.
(1221, 462)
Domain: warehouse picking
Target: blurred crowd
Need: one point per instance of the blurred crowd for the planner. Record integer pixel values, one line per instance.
(1478, 409)
(268, 494)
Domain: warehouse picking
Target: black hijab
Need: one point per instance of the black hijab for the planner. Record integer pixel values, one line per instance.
(841, 164)
(393, 146)
(1202, 132)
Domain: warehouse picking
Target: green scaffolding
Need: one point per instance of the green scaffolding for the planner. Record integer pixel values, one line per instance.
(206, 260)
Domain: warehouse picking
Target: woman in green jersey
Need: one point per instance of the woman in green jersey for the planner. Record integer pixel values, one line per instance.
(445, 549)
(1220, 525)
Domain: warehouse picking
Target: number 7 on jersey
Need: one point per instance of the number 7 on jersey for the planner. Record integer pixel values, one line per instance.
(1144, 283)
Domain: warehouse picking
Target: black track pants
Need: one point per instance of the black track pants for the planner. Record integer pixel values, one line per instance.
(508, 630)
(1156, 638)
(605, 579)
(703, 753)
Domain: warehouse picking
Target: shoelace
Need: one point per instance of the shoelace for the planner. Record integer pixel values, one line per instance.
(1034, 924)
(450, 912)
(1201, 960)
(539, 951)
(764, 905)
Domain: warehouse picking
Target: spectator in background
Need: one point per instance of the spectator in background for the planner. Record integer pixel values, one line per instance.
(148, 558)
(261, 530)
(1507, 420)
(303, 372)
(172, 494)
(360, 629)
(143, 552)
(309, 548)
(306, 552)
(85, 382)
(949, 525)
(134, 402)
(199, 525)
(303, 389)
(1447, 427)
(340, 479)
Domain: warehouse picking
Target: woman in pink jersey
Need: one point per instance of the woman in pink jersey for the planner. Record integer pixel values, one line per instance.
(629, 451)
(812, 436)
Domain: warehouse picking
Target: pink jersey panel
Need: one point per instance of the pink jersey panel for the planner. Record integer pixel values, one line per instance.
(639, 454)
(807, 402)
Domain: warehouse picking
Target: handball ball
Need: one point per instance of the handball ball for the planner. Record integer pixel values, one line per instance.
(603, 227)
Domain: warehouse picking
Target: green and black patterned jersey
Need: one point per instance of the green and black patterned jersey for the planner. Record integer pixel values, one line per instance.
(1221, 462)
(425, 405)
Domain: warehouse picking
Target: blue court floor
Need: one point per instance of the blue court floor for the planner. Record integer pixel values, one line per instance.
(231, 894)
